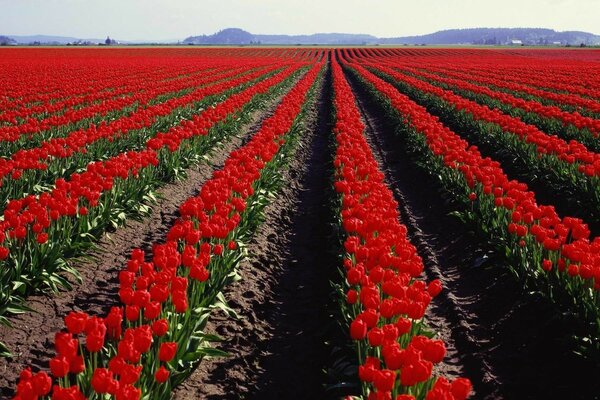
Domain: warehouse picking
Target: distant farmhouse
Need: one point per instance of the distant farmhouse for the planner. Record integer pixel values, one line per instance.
(110, 42)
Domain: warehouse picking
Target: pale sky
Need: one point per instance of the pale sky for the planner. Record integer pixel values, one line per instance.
(177, 19)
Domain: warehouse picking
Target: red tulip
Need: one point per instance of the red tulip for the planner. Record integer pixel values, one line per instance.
(160, 327)
(41, 383)
(167, 351)
(75, 322)
(101, 380)
(547, 265)
(384, 380)
(161, 375)
(434, 288)
(461, 388)
(59, 366)
(358, 329)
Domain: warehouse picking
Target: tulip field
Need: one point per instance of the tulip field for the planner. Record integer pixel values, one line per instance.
(368, 222)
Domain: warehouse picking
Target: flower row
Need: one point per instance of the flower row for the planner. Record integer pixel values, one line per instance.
(386, 298)
(99, 98)
(572, 152)
(40, 166)
(564, 166)
(39, 232)
(141, 97)
(551, 126)
(555, 252)
(571, 102)
(154, 339)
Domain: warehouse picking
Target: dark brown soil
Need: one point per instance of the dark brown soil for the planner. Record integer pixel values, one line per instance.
(277, 346)
(32, 336)
(510, 343)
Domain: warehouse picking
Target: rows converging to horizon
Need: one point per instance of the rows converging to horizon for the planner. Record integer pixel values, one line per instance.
(299, 222)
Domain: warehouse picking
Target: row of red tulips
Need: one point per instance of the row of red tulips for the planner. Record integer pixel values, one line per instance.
(43, 116)
(386, 298)
(33, 84)
(38, 89)
(28, 95)
(572, 152)
(40, 232)
(553, 71)
(567, 102)
(546, 123)
(154, 339)
(568, 167)
(55, 158)
(556, 253)
(578, 81)
(30, 135)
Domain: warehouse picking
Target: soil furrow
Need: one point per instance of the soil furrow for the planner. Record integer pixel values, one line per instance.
(509, 342)
(427, 244)
(575, 202)
(32, 336)
(277, 346)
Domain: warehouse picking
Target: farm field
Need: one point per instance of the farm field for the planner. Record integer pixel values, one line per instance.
(320, 223)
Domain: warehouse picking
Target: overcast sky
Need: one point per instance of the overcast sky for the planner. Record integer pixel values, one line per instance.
(177, 19)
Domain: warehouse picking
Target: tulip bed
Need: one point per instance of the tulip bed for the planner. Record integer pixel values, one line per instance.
(564, 166)
(567, 101)
(80, 157)
(40, 232)
(386, 299)
(31, 169)
(493, 88)
(571, 78)
(551, 252)
(127, 99)
(574, 124)
(58, 114)
(151, 342)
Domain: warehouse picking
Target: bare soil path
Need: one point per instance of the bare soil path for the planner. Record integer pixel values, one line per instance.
(277, 346)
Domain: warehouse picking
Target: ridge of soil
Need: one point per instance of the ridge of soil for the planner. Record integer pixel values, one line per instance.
(31, 337)
(510, 343)
(278, 345)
